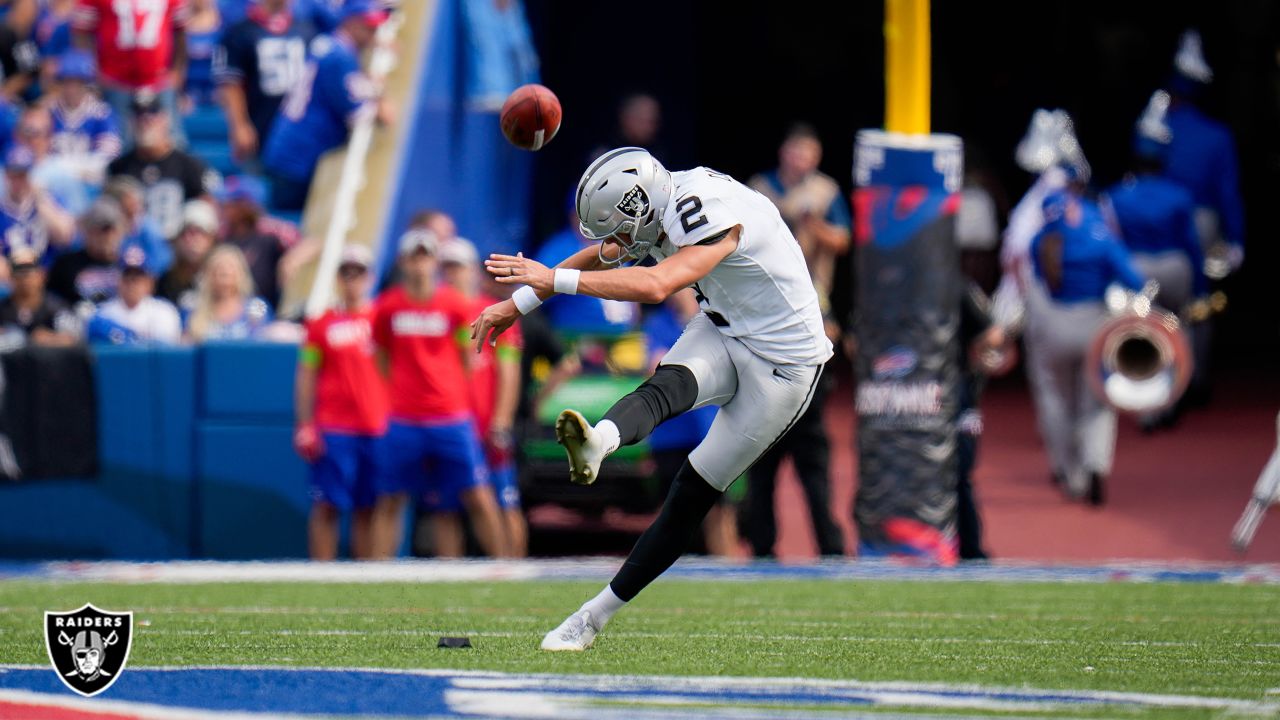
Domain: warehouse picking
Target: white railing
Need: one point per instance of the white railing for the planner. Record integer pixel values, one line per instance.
(342, 219)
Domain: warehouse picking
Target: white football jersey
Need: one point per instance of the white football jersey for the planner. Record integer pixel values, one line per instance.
(761, 292)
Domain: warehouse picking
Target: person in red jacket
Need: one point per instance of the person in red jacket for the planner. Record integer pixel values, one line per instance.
(432, 447)
(342, 411)
(495, 393)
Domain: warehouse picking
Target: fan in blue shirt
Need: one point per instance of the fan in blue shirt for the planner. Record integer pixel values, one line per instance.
(316, 115)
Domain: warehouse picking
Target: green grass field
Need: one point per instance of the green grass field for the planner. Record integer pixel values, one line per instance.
(1212, 639)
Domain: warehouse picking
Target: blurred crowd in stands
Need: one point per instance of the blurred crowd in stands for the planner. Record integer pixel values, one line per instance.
(113, 228)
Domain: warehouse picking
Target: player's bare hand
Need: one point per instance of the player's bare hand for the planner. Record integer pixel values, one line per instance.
(520, 270)
(492, 322)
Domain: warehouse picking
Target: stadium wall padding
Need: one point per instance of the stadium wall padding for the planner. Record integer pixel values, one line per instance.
(195, 461)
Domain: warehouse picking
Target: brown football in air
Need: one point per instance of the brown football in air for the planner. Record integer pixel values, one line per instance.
(530, 117)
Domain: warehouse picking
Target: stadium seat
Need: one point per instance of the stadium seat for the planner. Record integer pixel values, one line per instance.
(292, 216)
(215, 155)
(206, 123)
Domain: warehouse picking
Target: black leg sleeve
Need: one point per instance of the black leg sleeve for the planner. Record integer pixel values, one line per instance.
(762, 523)
(670, 391)
(689, 501)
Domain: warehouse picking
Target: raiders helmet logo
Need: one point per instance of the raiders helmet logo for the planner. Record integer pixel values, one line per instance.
(634, 202)
(88, 647)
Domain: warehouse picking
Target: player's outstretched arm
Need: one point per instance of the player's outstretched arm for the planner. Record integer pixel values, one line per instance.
(635, 284)
(496, 318)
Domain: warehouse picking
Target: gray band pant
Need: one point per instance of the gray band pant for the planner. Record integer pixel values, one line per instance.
(1079, 431)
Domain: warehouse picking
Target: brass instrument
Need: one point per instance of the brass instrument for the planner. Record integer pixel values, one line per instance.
(1141, 358)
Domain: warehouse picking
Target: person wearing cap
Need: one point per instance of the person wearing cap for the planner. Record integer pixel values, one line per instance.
(170, 176)
(317, 114)
(263, 56)
(91, 273)
(84, 127)
(341, 414)
(44, 318)
(141, 50)
(29, 217)
(272, 246)
(190, 250)
(432, 446)
(495, 394)
(226, 307)
(139, 228)
(135, 315)
(242, 199)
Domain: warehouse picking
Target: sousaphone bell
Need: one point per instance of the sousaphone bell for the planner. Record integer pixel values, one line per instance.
(1141, 359)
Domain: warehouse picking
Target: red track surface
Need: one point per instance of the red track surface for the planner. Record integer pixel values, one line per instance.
(1173, 495)
(32, 711)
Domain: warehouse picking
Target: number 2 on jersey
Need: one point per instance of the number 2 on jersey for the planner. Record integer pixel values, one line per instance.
(693, 218)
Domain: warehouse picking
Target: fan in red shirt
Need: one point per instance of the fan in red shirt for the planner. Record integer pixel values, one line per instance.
(341, 405)
(495, 391)
(432, 447)
(141, 45)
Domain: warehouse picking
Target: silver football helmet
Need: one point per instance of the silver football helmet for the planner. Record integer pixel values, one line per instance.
(624, 191)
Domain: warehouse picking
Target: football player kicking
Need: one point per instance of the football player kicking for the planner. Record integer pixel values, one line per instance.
(756, 350)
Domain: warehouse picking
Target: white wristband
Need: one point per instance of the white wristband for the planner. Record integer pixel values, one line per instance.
(526, 299)
(565, 281)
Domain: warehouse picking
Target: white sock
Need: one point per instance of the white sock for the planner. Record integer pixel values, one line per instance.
(609, 434)
(603, 606)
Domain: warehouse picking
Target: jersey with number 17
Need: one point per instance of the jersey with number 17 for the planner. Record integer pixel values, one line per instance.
(134, 38)
(761, 293)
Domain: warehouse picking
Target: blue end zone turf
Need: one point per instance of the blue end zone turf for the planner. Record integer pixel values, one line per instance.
(389, 693)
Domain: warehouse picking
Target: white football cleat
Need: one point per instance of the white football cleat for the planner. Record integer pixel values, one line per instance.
(585, 446)
(576, 634)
